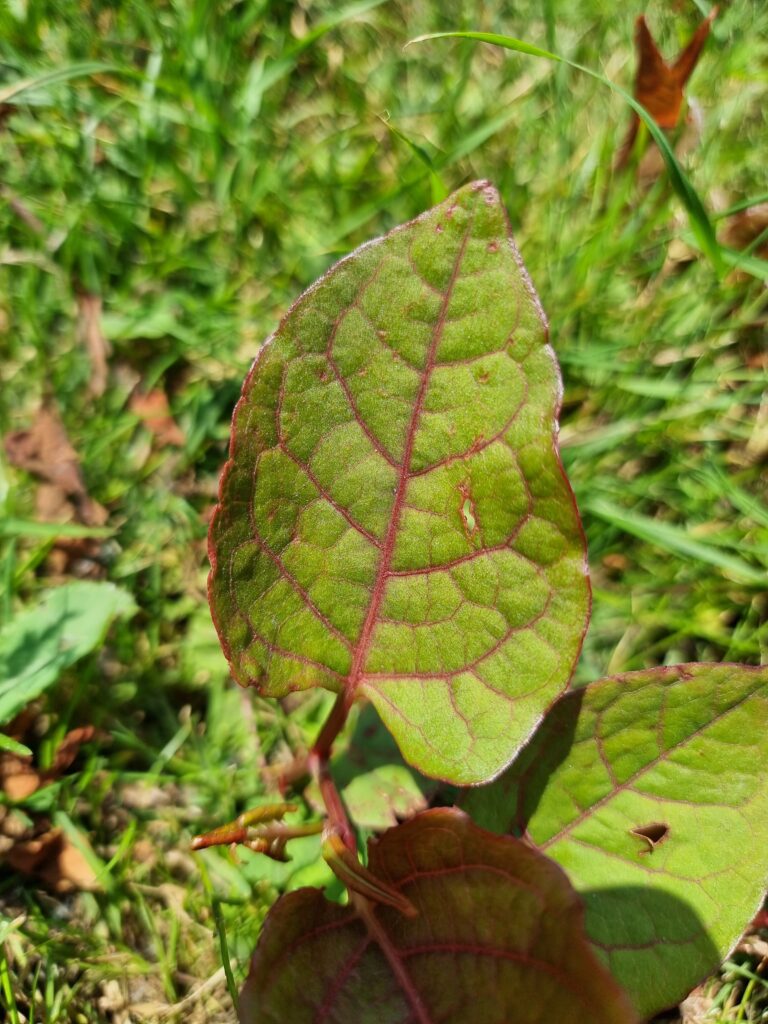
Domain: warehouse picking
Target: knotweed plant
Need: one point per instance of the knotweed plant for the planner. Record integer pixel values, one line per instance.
(395, 525)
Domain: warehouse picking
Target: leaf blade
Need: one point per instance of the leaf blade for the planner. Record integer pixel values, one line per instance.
(682, 747)
(394, 521)
(457, 960)
(40, 642)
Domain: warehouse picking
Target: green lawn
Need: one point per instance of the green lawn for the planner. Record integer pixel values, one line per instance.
(195, 166)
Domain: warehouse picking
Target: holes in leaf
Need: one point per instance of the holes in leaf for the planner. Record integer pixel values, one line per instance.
(467, 512)
(653, 834)
(468, 515)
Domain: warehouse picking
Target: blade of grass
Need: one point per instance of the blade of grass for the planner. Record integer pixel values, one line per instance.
(83, 70)
(221, 931)
(14, 747)
(671, 538)
(697, 214)
(745, 204)
(29, 528)
(439, 190)
(274, 71)
(6, 986)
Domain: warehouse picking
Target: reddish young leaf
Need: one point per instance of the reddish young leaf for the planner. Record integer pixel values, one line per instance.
(394, 520)
(497, 938)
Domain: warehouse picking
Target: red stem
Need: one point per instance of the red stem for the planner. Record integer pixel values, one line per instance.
(332, 726)
(319, 764)
(337, 816)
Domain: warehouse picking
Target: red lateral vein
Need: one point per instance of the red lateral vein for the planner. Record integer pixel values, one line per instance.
(337, 985)
(324, 493)
(376, 443)
(476, 662)
(471, 556)
(480, 444)
(629, 783)
(360, 420)
(292, 582)
(394, 958)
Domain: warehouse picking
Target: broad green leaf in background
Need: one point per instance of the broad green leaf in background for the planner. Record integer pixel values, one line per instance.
(381, 797)
(43, 640)
(679, 754)
(498, 937)
(394, 521)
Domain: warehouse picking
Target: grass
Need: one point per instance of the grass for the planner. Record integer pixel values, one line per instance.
(196, 165)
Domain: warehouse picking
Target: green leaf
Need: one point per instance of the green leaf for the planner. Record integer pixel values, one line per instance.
(679, 755)
(394, 521)
(39, 643)
(697, 214)
(497, 938)
(378, 799)
(13, 746)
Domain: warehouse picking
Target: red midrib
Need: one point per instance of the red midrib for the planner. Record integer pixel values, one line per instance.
(383, 572)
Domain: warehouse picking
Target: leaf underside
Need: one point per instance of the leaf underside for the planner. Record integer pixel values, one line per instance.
(394, 521)
(498, 937)
(650, 790)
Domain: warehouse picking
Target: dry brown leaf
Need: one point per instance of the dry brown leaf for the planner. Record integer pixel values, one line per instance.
(54, 859)
(97, 346)
(697, 1007)
(45, 451)
(153, 410)
(37, 849)
(18, 779)
(745, 227)
(659, 86)
(68, 749)
(68, 869)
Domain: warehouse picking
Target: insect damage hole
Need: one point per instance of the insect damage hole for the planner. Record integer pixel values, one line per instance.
(652, 834)
(467, 512)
